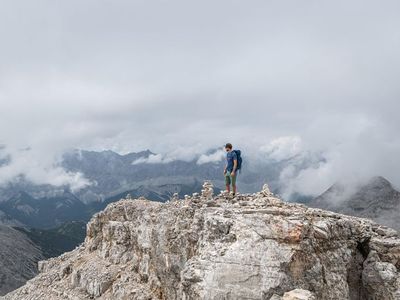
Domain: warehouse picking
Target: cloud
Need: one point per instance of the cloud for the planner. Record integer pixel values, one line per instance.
(151, 159)
(187, 154)
(368, 150)
(213, 157)
(283, 148)
(24, 164)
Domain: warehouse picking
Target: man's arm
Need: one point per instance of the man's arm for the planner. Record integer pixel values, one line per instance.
(234, 166)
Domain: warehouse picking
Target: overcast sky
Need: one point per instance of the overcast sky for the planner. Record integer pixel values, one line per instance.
(277, 77)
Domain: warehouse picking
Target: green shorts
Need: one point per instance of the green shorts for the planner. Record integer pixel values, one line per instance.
(230, 179)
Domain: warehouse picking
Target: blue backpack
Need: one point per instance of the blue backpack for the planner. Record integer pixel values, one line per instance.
(239, 159)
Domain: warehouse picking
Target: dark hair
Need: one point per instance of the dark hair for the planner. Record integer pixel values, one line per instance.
(228, 145)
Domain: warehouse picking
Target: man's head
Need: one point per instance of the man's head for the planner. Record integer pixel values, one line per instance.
(228, 147)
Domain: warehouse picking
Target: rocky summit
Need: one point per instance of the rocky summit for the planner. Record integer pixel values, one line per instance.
(251, 246)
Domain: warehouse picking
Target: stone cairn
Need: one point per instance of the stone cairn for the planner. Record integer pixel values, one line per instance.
(175, 197)
(266, 191)
(208, 190)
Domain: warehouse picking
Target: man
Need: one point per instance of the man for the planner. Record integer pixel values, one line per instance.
(230, 169)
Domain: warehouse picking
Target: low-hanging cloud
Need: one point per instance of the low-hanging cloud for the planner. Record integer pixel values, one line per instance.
(210, 158)
(180, 78)
(186, 154)
(282, 148)
(24, 164)
(368, 151)
(151, 159)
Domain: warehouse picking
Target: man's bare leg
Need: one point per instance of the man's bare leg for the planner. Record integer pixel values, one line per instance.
(228, 188)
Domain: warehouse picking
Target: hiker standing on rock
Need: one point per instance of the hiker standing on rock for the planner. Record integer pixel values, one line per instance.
(233, 164)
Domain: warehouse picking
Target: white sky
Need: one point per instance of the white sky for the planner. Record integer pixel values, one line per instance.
(132, 75)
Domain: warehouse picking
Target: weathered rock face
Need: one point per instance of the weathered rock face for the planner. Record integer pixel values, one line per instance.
(204, 247)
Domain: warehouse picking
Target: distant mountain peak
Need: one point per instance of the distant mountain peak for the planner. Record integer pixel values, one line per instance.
(348, 187)
(375, 199)
(110, 152)
(379, 181)
(147, 151)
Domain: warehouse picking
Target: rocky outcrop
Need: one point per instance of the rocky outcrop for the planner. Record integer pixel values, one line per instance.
(222, 247)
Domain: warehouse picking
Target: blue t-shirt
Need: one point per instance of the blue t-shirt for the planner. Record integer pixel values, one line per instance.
(230, 157)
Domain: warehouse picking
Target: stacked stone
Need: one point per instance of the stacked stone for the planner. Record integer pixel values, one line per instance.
(224, 193)
(208, 190)
(266, 191)
(175, 197)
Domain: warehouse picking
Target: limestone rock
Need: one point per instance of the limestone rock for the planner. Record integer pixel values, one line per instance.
(208, 190)
(298, 294)
(204, 247)
(265, 190)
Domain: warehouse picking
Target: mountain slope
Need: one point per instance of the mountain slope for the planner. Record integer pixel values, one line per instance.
(56, 241)
(7, 220)
(21, 249)
(18, 259)
(205, 247)
(377, 200)
(44, 212)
